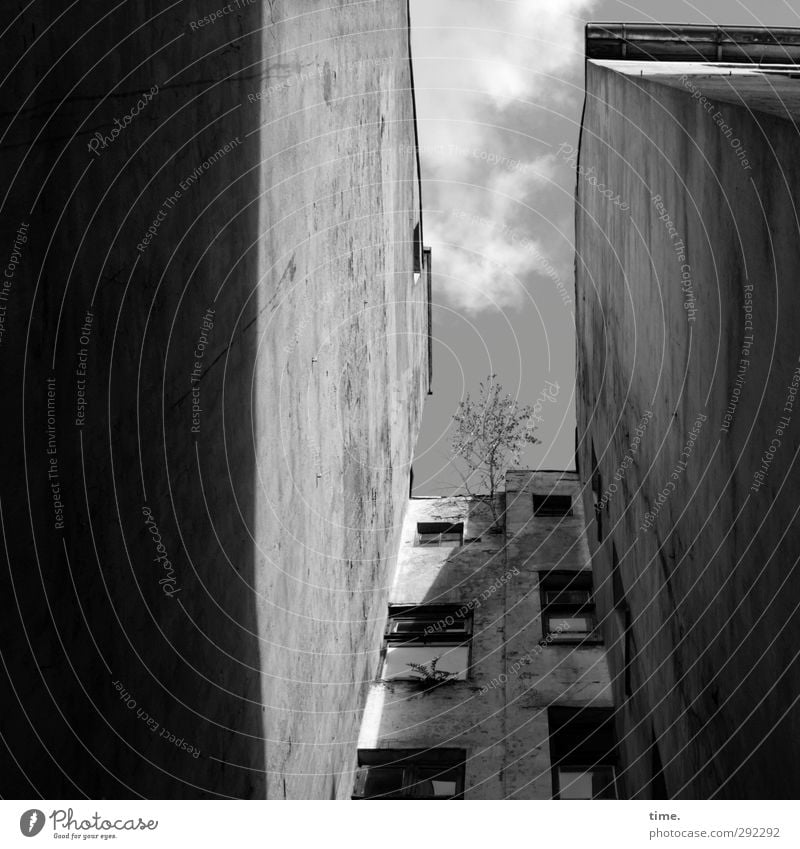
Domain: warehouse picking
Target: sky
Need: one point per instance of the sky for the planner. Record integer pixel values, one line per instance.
(499, 92)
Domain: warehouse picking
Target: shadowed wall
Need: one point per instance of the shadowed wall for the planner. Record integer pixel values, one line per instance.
(220, 287)
(688, 371)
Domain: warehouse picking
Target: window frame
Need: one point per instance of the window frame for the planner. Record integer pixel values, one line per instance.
(418, 252)
(579, 767)
(624, 619)
(582, 739)
(597, 494)
(628, 649)
(428, 614)
(440, 543)
(411, 762)
(559, 582)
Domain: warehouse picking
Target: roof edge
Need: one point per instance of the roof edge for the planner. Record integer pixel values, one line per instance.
(693, 43)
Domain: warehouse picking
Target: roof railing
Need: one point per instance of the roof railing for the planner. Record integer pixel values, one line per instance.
(693, 43)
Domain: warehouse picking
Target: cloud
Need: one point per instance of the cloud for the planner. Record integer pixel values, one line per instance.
(489, 101)
(504, 47)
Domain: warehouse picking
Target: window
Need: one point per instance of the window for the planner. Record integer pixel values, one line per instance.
(658, 783)
(410, 774)
(433, 636)
(624, 622)
(568, 614)
(628, 648)
(586, 782)
(617, 589)
(426, 254)
(583, 753)
(417, 254)
(597, 489)
(552, 505)
(440, 533)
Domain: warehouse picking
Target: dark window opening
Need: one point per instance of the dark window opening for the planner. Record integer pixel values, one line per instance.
(625, 622)
(410, 774)
(658, 783)
(630, 650)
(617, 588)
(568, 612)
(440, 533)
(552, 505)
(582, 753)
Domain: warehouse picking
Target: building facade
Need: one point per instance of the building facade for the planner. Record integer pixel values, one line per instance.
(491, 680)
(215, 327)
(688, 430)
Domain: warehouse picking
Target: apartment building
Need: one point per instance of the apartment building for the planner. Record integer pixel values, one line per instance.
(491, 680)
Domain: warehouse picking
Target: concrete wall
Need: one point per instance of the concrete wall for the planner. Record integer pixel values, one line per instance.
(687, 314)
(499, 714)
(251, 373)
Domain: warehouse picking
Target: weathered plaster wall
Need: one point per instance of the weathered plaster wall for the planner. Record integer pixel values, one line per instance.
(712, 580)
(499, 714)
(270, 439)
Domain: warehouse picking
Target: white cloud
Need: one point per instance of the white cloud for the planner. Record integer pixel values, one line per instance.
(484, 159)
(498, 46)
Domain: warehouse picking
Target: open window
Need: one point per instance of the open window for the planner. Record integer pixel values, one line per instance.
(552, 505)
(568, 612)
(582, 753)
(410, 774)
(427, 642)
(440, 533)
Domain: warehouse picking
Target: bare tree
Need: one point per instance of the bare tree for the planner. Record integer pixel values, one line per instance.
(488, 437)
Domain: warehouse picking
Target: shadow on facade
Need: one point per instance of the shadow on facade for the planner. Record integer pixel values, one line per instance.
(127, 515)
